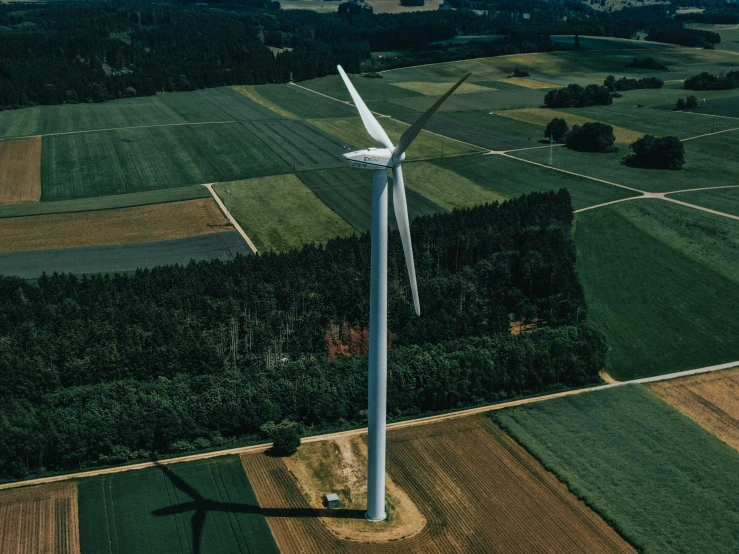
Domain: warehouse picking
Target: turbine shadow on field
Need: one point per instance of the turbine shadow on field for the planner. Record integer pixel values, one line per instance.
(201, 506)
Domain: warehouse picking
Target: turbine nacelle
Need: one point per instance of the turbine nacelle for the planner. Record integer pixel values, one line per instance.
(371, 158)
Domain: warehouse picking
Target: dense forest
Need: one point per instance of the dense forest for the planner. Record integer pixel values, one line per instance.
(104, 369)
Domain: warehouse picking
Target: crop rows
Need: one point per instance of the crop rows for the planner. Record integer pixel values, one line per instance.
(20, 174)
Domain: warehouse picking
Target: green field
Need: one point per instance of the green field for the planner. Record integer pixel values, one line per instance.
(105, 202)
(156, 510)
(709, 162)
(660, 281)
(660, 479)
(280, 213)
(134, 160)
(511, 178)
(721, 200)
(348, 192)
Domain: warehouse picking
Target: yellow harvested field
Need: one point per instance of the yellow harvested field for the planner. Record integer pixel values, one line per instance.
(251, 93)
(119, 226)
(529, 83)
(42, 519)
(477, 489)
(711, 399)
(438, 89)
(20, 177)
(542, 116)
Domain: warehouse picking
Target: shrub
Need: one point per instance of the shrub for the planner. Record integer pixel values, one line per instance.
(574, 96)
(648, 63)
(591, 137)
(708, 81)
(691, 102)
(657, 153)
(681, 104)
(285, 437)
(556, 129)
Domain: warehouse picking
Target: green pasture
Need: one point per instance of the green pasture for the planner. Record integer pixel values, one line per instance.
(729, 35)
(134, 160)
(150, 510)
(105, 202)
(163, 109)
(426, 146)
(660, 282)
(722, 200)
(281, 213)
(661, 480)
(303, 103)
(709, 162)
(348, 192)
(510, 178)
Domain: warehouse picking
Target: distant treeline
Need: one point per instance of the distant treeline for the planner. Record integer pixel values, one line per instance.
(684, 37)
(100, 369)
(708, 81)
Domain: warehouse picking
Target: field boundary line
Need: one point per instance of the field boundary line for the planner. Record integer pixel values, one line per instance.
(137, 127)
(710, 114)
(235, 223)
(701, 208)
(334, 99)
(700, 189)
(604, 204)
(353, 432)
(710, 134)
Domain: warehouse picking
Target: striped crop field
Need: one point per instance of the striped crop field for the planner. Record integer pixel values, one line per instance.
(20, 176)
(477, 489)
(712, 400)
(114, 226)
(40, 519)
(205, 506)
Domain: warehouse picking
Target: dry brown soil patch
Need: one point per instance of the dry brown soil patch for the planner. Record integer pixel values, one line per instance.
(40, 519)
(711, 399)
(478, 490)
(20, 170)
(118, 226)
(340, 466)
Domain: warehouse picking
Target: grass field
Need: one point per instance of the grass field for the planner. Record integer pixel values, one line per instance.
(721, 200)
(542, 116)
(511, 178)
(712, 400)
(281, 213)
(657, 278)
(160, 510)
(708, 163)
(20, 178)
(438, 89)
(348, 192)
(255, 94)
(135, 160)
(426, 146)
(478, 490)
(662, 480)
(115, 226)
(160, 196)
(41, 519)
(302, 104)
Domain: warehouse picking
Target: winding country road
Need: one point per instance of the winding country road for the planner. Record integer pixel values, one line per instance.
(363, 430)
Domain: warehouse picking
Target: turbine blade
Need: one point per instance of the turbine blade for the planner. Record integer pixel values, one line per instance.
(370, 123)
(412, 132)
(401, 217)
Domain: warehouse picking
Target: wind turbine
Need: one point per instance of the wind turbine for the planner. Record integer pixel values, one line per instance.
(379, 160)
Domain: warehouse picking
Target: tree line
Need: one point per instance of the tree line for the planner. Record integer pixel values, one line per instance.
(101, 369)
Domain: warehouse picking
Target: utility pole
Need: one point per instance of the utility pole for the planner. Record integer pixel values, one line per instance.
(551, 149)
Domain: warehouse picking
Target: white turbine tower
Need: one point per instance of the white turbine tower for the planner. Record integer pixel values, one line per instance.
(380, 160)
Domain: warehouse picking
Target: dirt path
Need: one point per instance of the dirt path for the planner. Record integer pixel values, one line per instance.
(607, 377)
(363, 430)
(235, 223)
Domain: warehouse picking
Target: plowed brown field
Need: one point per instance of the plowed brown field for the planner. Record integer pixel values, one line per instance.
(20, 178)
(40, 519)
(479, 490)
(118, 226)
(711, 399)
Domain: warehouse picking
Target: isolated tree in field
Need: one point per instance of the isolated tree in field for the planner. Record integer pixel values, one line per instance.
(285, 437)
(681, 104)
(556, 129)
(691, 102)
(591, 137)
(656, 153)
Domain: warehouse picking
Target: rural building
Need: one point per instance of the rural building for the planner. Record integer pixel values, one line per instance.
(332, 500)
